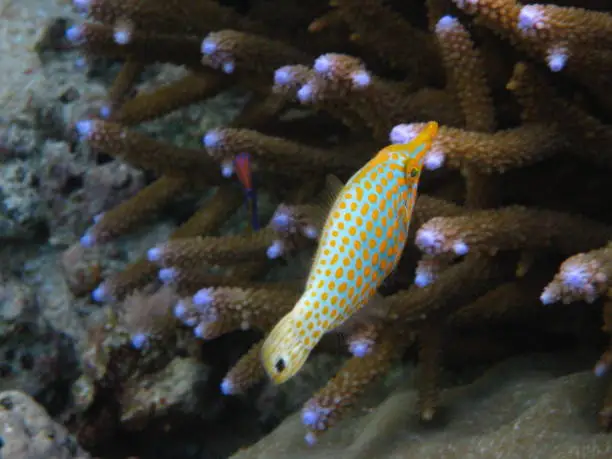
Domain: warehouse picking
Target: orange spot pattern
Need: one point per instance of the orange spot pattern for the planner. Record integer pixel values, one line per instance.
(363, 239)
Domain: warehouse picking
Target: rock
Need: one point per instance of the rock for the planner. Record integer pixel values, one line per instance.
(178, 389)
(27, 431)
(530, 407)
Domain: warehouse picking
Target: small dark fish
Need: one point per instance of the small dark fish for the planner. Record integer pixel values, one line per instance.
(242, 165)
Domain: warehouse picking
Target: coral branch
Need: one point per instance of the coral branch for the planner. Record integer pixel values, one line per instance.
(166, 16)
(141, 272)
(498, 152)
(190, 89)
(584, 277)
(232, 50)
(465, 70)
(212, 312)
(365, 18)
(381, 104)
(276, 154)
(108, 41)
(510, 228)
(329, 404)
(245, 373)
(133, 212)
(140, 150)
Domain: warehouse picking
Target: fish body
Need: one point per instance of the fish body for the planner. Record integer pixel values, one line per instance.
(361, 243)
(242, 164)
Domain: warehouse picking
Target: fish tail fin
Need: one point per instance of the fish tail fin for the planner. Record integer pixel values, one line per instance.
(253, 209)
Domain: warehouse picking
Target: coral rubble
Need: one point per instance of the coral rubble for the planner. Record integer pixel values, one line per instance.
(517, 180)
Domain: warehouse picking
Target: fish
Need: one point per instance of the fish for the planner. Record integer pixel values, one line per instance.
(360, 245)
(242, 166)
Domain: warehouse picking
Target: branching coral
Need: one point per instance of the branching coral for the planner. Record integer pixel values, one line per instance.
(489, 235)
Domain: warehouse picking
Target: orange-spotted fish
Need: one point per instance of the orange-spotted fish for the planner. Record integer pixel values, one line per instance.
(361, 243)
(242, 164)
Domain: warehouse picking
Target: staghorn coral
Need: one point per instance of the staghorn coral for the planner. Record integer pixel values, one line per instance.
(491, 233)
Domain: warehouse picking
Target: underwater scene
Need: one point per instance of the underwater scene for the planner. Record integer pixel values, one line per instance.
(305, 229)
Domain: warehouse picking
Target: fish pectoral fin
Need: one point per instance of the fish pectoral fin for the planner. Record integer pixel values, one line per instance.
(406, 212)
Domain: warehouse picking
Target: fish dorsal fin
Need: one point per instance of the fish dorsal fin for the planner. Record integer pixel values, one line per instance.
(333, 187)
(325, 200)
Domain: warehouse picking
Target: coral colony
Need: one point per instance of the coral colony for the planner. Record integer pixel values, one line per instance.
(512, 216)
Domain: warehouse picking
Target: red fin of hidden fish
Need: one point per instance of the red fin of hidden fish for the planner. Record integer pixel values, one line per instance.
(242, 164)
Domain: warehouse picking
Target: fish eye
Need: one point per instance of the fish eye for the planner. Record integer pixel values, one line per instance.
(414, 172)
(280, 365)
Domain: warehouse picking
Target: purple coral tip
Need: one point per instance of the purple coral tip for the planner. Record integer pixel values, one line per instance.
(403, 133)
(180, 310)
(139, 341)
(74, 33)
(84, 128)
(310, 438)
(548, 297)
(576, 276)
(80, 62)
(211, 139)
(199, 331)
(167, 274)
(310, 232)
(423, 279)
(282, 76)
(122, 36)
(100, 294)
(209, 46)
(227, 388)
(530, 17)
(445, 23)
(228, 67)
(88, 240)
(304, 94)
(556, 59)
(310, 417)
(105, 111)
(601, 369)
(360, 348)
(361, 79)
(434, 160)
(323, 64)
(280, 221)
(460, 248)
(81, 5)
(227, 168)
(275, 250)
(203, 297)
(428, 240)
(154, 254)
